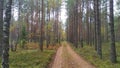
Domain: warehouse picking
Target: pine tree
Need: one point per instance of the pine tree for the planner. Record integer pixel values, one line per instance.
(112, 36)
(98, 24)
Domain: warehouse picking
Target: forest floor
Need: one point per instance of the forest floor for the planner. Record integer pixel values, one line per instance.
(67, 58)
(30, 58)
(89, 53)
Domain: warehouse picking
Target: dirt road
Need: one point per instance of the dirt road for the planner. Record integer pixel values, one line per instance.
(67, 58)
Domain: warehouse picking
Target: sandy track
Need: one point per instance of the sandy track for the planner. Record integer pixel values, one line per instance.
(58, 59)
(67, 58)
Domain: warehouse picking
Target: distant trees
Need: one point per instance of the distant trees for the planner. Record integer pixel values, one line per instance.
(87, 23)
(33, 14)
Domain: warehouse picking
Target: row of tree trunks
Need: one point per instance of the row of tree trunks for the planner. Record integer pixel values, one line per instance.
(87, 25)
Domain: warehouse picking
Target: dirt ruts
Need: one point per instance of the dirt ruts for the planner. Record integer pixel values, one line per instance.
(67, 58)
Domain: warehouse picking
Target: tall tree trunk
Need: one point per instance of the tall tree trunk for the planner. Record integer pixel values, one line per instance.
(95, 29)
(106, 22)
(87, 23)
(6, 26)
(98, 23)
(47, 30)
(1, 25)
(76, 24)
(113, 48)
(42, 28)
(80, 23)
(90, 25)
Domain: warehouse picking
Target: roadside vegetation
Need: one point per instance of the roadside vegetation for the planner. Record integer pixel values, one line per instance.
(31, 57)
(88, 53)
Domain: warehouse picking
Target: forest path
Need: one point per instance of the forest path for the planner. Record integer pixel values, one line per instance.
(67, 58)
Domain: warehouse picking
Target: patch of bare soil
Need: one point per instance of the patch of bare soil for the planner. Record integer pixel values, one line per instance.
(67, 58)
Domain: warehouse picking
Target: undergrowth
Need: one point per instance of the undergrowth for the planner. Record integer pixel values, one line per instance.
(89, 54)
(30, 58)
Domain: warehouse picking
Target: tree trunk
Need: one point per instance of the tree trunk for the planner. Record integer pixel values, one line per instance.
(48, 13)
(76, 24)
(113, 48)
(95, 31)
(98, 23)
(6, 26)
(42, 28)
(87, 22)
(1, 25)
(80, 23)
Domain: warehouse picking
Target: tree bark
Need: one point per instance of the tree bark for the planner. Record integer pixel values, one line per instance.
(95, 31)
(76, 24)
(1, 25)
(112, 36)
(98, 23)
(6, 26)
(42, 28)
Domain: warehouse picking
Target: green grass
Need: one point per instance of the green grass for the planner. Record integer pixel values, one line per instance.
(30, 58)
(89, 54)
